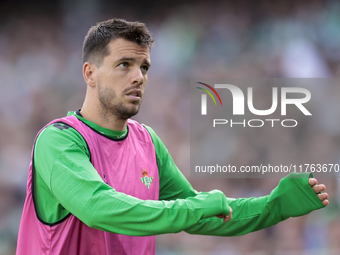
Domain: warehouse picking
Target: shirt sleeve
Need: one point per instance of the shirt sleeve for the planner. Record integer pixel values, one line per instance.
(62, 161)
(172, 183)
(291, 198)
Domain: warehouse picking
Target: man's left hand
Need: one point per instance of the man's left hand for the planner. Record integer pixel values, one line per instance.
(318, 188)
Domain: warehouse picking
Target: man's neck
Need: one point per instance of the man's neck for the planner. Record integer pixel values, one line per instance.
(104, 120)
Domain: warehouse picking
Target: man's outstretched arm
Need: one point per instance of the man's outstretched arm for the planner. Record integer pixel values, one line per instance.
(293, 197)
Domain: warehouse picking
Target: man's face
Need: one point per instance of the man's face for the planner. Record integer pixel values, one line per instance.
(122, 77)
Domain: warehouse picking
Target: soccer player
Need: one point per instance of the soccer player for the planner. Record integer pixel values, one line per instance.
(100, 183)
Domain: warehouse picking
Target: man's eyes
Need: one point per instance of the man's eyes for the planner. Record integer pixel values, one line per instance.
(124, 64)
(145, 68)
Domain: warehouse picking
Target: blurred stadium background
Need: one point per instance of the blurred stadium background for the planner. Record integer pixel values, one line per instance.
(41, 79)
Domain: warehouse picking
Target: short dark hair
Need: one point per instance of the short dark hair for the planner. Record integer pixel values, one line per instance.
(99, 36)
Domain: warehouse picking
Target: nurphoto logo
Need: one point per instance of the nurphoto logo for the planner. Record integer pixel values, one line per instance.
(287, 95)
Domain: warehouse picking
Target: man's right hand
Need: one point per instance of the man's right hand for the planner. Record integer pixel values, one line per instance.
(215, 204)
(226, 218)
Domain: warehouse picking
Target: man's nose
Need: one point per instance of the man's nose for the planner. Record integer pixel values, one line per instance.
(137, 77)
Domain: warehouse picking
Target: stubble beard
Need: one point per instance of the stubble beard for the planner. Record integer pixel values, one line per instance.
(106, 98)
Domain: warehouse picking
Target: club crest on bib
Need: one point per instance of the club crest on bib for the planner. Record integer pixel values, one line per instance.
(146, 179)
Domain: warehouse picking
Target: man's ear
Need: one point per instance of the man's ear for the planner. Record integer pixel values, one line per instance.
(88, 73)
